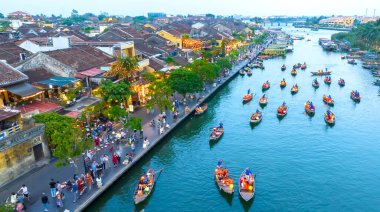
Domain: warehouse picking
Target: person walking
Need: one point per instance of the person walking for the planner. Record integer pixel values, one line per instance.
(114, 159)
(89, 181)
(45, 202)
(99, 182)
(59, 199)
(24, 190)
(74, 189)
(99, 170)
(52, 187)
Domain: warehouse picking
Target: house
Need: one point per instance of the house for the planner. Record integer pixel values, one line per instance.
(172, 35)
(43, 44)
(12, 53)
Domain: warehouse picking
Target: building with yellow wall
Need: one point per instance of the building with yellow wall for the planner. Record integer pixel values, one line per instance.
(173, 36)
(347, 21)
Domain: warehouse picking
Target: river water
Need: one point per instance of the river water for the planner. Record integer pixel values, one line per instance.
(301, 164)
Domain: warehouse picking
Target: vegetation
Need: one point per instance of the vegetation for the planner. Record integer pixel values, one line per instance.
(365, 36)
(261, 38)
(171, 61)
(233, 55)
(205, 70)
(124, 68)
(223, 63)
(114, 94)
(133, 123)
(184, 81)
(239, 36)
(314, 20)
(66, 138)
(159, 93)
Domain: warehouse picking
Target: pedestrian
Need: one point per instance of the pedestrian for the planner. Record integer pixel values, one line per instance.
(141, 133)
(89, 181)
(99, 182)
(133, 147)
(102, 161)
(58, 186)
(114, 159)
(59, 200)
(98, 170)
(92, 173)
(74, 189)
(130, 157)
(106, 161)
(145, 143)
(52, 188)
(45, 202)
(24, 190)
(80, 184)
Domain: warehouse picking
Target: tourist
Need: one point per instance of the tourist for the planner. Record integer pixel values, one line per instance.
(114, 159)
(145, 143)
(80, 184)
(130, 157)
(161, 130)
(98, 170)
(24, 190)
(13, 198)
(58, 186)
(93, 166)
(141, 133)
(45, 202)
(59, 199)
(99, 182)
(89, 181)
(133, 147)
(106, 161)
(52, 187)
(74, 189)
(102, 162)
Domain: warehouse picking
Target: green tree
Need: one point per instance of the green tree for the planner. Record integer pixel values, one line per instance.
(184, 81)
(124, 68)
(133, 123)
(233, 55)
(171, 61)
(159, 93)
(148, 77)
(205, 70)
(224, 63)
(66, 138)
(186, 36)
(114, 113)
(114, 94)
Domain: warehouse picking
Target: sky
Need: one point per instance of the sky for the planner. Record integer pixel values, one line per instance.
(184, 7)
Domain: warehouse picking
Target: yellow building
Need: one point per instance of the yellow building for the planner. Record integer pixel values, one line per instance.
(173, 36)
(347, 21)
(150, 26)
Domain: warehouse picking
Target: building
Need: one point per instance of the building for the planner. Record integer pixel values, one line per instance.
(347, 21)
(156, 15)
(13, 54)
(44, 44)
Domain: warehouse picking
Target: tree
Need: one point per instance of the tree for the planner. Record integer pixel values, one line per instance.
(124, 68)
(184, 81)
(159, 93)
(138, 19)
(148, 77)
(74, 13)
(171, 61)
(186, 36)
(115, 112)
(133, 123)
(2, 15)
(114, 94)
(224, 63)
(64, 135)
(233, 55)
(205, 70)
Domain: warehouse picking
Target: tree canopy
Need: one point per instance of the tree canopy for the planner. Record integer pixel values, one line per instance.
(114, 94)
(159, 93)
(184, 81)
(224, 63)
(124, 68)
(205, 70)
(133, 123)
(65, 137)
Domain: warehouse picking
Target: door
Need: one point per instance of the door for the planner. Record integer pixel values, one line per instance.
(38, 152)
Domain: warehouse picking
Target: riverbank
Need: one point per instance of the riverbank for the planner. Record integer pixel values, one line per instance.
(38, 182)
(326, 28)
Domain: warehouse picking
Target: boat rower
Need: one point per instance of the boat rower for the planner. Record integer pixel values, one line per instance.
(220, 163)
(220, 125)
(249, 91)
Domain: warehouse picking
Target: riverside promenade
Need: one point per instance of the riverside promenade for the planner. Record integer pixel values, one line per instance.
(38, 181)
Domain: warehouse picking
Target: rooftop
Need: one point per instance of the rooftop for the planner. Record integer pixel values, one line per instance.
(9, 75)
(10, 52)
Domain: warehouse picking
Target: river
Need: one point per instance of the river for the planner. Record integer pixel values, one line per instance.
(301, 164)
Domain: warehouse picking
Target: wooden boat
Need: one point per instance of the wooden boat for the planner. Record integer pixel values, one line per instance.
(200, 110)
(327, 80)
(241, 72)
(247, 97)
(225, 184)
(294, 89)
(249, 73)
(310, 110)
(266, 86)
(352, 62)
(247, 186)
(282, 111)
(341, 82)
(342, 57)
(327, 100)
(320, 73)
(263, 100)
(143, 190)
(315, 84)
(298, 65)
(246, 69)
(283, 68)
(354, 97)
(256, 117)
(330, 120)
(303, 66)
(293, 72)
(282, 84)
(216, 133)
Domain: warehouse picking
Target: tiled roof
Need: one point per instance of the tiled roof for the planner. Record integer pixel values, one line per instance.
(38, 74)
(181, 60)
(156, 64)
(10, 52)
(81, 58)
(9, 75)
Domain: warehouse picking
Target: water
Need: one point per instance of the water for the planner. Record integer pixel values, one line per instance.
(301, 164)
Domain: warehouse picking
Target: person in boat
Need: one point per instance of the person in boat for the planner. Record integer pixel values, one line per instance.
(267, 82)
(220, 162)
(330, 97)
(263, 96)
(249, 91)
(311, 105)
(296, 86)
(283, 104)
(221, 125)
(328, 114)
(315, 80)
(356, 93)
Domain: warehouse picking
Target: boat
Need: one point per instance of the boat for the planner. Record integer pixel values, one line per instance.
(342, 57)
(329, 118)
(328, 100)
(283, 83)
(247, 185)
(249, 73)
(355, 95)
(341, 82)
(216, 133)
(263, 100)
(351, 61)
(256, 117)
(327, 80)
(200, 110)
(247, 97)
(246, 69)
(223, 179)
(282, 110)
(283, 67)
(298, 65)
(293, 72)
(294, 89)
(303, 66)
(241, 72)
(144, 187)
(266, 86)
(320, 73)
(315, 84)
(309, 108)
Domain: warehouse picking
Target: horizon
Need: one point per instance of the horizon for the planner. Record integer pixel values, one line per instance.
(197, 7)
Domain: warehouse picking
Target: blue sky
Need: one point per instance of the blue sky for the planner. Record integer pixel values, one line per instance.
(220, 7)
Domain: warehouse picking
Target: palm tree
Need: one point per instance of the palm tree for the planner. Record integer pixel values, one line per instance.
(124, 68)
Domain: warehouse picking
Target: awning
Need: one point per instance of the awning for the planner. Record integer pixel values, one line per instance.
(23, 89)
(58, 81)
(91, 72)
